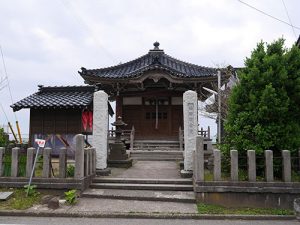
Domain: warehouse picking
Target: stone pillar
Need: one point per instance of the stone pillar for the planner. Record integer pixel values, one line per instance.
(100, 124)
(217, 165)
(79, 156)
(286, 166)
(251, 161)
(90, 161)
(15, 161)
(269, 174)
(29, 161)
(190, 119)
(1, 161)
(199, 160)
(63, 162)
(46, 163)
(86, 162)
(234, 168)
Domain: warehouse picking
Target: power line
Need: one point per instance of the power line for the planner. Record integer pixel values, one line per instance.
(266, 14)
(287, 13)
(6, 77)
(79, 20)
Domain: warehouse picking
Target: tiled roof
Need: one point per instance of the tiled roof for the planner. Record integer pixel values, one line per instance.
(58, 97)
(155, 59)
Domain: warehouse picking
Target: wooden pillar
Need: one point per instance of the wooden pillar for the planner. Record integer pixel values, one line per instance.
(119, 105)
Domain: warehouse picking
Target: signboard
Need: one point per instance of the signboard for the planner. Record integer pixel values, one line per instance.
(40, 142)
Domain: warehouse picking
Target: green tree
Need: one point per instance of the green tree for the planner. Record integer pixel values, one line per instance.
(2, 138)
(264, 107)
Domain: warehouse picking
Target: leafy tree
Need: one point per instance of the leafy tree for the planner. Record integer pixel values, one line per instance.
(264, 107)
(2, 138)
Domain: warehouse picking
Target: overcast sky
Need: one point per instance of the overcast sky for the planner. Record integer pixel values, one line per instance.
(47, 41)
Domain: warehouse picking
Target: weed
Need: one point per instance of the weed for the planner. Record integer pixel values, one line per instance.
(71, 197)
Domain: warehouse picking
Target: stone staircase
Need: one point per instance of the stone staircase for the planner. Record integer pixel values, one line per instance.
(168, 190)
(156, 150)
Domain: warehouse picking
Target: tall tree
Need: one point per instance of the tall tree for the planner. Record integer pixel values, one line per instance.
(264, 107)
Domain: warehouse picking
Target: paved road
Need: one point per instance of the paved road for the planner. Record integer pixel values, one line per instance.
(92, 221)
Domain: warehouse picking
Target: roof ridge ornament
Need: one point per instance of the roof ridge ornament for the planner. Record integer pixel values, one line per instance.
(156, 45)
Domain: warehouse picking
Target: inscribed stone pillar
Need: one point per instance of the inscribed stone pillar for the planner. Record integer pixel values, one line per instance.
(79, 156)
(190, 119)
(100, 124)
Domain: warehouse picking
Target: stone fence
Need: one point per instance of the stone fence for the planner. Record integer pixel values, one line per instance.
(84, 168)
(233, 192)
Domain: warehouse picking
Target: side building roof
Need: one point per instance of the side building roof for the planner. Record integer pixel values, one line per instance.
(59, 97)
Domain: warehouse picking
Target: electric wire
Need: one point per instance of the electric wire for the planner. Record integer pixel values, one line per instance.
(6, 74)
(287, 13)
(79, 20)
(266, 14)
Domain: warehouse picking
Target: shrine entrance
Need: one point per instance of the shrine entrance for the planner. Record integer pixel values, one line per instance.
(155, 117)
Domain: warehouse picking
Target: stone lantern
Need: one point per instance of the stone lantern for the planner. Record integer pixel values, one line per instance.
(118, 156)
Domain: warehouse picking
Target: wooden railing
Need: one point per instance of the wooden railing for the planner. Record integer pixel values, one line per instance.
(204, 133)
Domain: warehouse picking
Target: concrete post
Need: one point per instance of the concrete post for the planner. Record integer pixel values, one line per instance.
(1, 161)
(90, 161)
(190, 119)
(94, 160)
(46, 163)
(199, 160)
(251, 161)
(29, 161)
(217, 165)
(100, 124)
(63, 162)
(15, 161)
(234, 168)
(269, 174)
(79, 156)
(86, 162)
(286, 166)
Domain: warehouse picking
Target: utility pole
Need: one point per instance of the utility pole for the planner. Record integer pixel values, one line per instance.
(219, 107)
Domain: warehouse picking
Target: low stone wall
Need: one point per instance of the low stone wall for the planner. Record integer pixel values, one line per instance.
(85, 168)
(250, 193)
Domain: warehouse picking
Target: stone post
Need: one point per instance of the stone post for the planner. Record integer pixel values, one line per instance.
(234, 168)
(90, 161)
(15, 161)
(29, 161)
(86, 162)
(100, 124)
(286, 166)
(269, 174)
(251, 161)
(63, 162)
(46, 163)
(217, 165)
(199, 160)
(79, 156)
(1, 161)
(190, 119)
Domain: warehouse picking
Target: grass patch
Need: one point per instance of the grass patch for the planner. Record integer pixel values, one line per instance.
(19, 200)
(217, 209)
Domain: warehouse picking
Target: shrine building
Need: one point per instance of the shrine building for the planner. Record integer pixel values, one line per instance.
(148, 92)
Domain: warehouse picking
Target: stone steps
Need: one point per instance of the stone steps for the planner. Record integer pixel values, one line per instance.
(160, 187)
(141, 195)
(157, 155)
(142, 181)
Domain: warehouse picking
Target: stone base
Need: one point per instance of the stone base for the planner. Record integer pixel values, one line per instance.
(120, 163)
(103, 172)
(186, 173)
